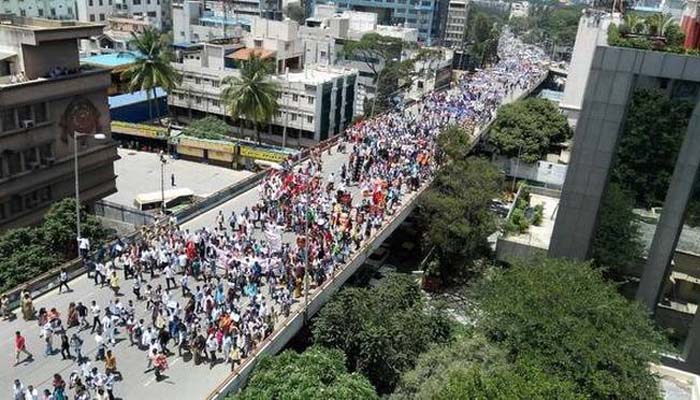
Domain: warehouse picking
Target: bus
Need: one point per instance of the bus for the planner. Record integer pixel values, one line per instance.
(172, 198)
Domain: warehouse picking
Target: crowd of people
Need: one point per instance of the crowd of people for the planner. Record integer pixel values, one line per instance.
(217, 292)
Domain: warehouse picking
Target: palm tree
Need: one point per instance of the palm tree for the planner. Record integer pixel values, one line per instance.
(634, 22)
(152, 67)
(253, 95)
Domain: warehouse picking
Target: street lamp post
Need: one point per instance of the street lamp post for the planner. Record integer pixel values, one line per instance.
(517, 166)
(163, 161)
(98, 136)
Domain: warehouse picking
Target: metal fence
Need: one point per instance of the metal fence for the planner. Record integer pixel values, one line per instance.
(122, 213)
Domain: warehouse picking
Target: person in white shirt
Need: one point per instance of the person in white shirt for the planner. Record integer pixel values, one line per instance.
(96, 310)
(31, 393)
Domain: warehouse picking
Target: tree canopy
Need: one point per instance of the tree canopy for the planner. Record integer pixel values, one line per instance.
(315, 374)
(528, 127)
(455, 213)
(209, 127)
(469, 367)
(253, 95)
(152, 68)
(617, 243)
(549, 25)
(28, 252)
(381, 330)
(563, 317)
(653, 132)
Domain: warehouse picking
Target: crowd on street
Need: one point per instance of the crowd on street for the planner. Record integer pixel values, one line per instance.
(217, 292)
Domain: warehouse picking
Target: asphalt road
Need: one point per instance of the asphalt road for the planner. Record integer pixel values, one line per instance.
(184, 381)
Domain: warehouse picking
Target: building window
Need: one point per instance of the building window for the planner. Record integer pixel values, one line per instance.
(24, 113)
(294, 117)
(100, 2)
(198, 100)
(152, 14)
(30, 159)
(258, 43)
(215, 103)
(102, 17)
(92, 17)
(40, 114)
(295, 97)
(46, 153)
(197, 81)
(15, 204)
(310, 100)
(22, 12)
(8, 119)
(420, 86)
(309, 119)
(90, 3)
(215, 83)
(40, 12)
(3, 213)
(137, 2)
(14, 163)
(180, 96)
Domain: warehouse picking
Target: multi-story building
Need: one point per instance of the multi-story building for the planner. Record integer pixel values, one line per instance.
(51, 9)
(45, 97)
(156, 12)
(455, 29)
(194, 22)
(615, 76)
(327, 31)
(315, 103)
(419, 14)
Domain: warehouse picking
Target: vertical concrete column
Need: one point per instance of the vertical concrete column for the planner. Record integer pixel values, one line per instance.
(595, 142)
(691, 349)
(657, 266)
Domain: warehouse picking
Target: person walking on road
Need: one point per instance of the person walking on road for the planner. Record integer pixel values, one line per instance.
(96, 310)
(21, 347)
(63, 281)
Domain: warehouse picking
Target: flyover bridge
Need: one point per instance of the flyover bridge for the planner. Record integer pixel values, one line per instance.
(184, 380)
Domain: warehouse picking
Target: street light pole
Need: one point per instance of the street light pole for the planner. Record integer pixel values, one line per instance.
(98, 136)
(163, 160)
(77, 189)
(517, 166)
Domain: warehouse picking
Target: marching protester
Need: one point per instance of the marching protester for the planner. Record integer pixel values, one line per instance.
(241, 275)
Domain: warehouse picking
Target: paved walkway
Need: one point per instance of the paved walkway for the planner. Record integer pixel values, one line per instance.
(139, 172)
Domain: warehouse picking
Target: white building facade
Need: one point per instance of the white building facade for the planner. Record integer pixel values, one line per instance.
(51, 9)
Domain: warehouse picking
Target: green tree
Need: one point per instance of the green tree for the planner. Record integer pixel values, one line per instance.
(208, 127)
(382, 56)
(455, 142)
(253, 95)
(152, 68)
(456, 217)
(470, 367)
(563, 317)
(528, 128)
(295, 12)
(27, 252)
(617, 243)
(315, 374)
(381, 330)
(653, 133)
(58, 228)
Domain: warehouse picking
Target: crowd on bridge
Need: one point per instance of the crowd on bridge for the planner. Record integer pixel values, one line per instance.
(216, 293)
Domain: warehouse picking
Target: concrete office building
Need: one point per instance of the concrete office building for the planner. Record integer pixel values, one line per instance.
(51, 9)
(615, 75)
(315, 103)
(155, 12)
(419, 14)
(327, 31)
(45, 96)
(199, 20)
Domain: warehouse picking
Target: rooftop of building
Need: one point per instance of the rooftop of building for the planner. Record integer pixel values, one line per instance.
(539, 236)
(111, 60)
(316, 74)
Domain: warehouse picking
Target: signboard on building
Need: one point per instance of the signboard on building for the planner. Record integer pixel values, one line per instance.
(263, 154)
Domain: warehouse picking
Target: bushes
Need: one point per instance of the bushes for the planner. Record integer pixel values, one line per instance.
(26, 253)
(523, 215)
(208, 127)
